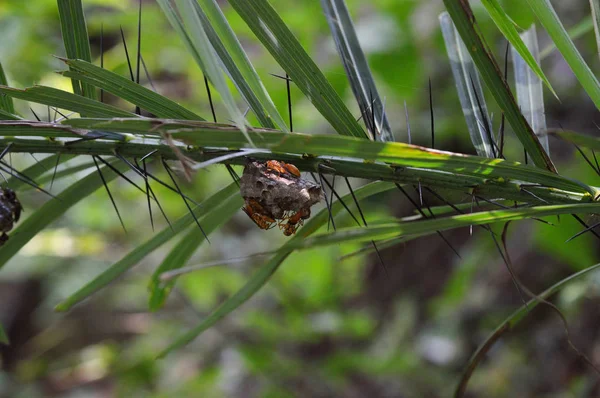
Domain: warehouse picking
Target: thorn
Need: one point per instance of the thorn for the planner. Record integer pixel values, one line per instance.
(362, 216)
(597, 171)
(486, 123)
(62, 114)
(326, 201)
(35, 114)
(289, 99)
(407, 123)
(420, 194)
(168, 170)
(109, 194)
(233, 174)
(596, 160)
(117, 172)
(210, 101)
(155, 197)
(425, 216)
(22, 177)
(333, 192)
(147, 74)
(139, 52)
(532, 194)
(126, 54)
(148, 197)
(585, 225)
(588, 229)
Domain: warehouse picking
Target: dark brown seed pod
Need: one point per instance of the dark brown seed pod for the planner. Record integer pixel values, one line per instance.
(10, 212)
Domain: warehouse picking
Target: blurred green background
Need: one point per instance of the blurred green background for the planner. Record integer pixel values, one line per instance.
(323, 326)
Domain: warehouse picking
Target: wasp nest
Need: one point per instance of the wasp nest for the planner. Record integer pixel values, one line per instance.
(10, 212)
(275, 194)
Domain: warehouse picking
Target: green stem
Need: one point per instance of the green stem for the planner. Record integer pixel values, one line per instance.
(490, 188)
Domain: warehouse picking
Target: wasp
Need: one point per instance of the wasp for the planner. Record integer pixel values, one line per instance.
(283, 168)
(10, 212)
(257, 213)
(294, 221)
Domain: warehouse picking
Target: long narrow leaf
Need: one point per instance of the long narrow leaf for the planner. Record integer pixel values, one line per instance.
(262, 275)
(584, 26)
(136, 255)
(75, 37)
(127, 90)
(357, 69)
(183, 251)
(256, 91)
(595, 5)
(189, 24)
(65, 100)
(6, 103)
(545, 12)
(266, 24)
(530, 93)
(582, 140)
(469, 89)
(407, 229)
(508, 29)
(51, 210)
(463, 18)
(395, 153)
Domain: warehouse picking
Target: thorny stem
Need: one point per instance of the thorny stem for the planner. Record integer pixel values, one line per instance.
(487, 188)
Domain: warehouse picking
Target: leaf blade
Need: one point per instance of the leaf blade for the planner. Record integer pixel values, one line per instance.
(266, 24)
(136, 255)
(75, 37)
(547, 16)
(130, 91)
(463, 18)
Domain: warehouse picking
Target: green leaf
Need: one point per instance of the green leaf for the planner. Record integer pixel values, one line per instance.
(509, 31)
(189, 25)
(65, 100)
(127, 90)
(595, 5)
(183, 251)
(511, 322)
(584, 26)
(407, 161)
(3, 336)
(263, 274)
(203, 210)
(238, 65)
(470, 92)
(545, 13)
(530, 93)
(357, 69)
(4, 115)
(287, 51)
(429, 226)
(586, 141)
(6, 103)
(75, 37)
(463, 18)
(52, 210)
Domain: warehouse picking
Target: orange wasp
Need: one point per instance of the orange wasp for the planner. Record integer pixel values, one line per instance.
(294, 222)
(283, 168)
(257, 214)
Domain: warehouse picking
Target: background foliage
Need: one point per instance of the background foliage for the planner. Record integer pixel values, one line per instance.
(321, 327)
